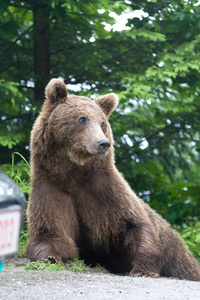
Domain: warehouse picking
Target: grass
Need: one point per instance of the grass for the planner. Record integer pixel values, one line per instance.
(74, 265)
(23, 240)
(44, 265)
(9, 267)
(20, 174)
(78, 265)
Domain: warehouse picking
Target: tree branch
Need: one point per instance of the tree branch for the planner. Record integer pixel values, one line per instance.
(14, 44)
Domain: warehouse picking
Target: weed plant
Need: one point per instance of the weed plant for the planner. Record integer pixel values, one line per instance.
(44, 265)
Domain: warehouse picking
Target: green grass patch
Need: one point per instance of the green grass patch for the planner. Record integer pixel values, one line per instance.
(78, 265)
(9, 267)
(44, 265)
(23, 240)
(73, 265)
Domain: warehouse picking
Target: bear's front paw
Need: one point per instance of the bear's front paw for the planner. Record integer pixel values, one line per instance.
(143, 274)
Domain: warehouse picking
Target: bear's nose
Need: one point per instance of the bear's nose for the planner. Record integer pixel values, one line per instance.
(103, 146)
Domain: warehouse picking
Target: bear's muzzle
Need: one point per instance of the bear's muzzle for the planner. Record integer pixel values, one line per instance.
(103, 146)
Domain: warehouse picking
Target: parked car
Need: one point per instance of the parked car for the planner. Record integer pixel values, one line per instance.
(12, 210)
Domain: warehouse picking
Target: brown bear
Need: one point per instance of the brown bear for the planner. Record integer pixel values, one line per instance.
(81, 206)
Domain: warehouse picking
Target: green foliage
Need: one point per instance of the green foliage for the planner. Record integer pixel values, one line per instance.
(191, 237)
(21, 172)
(18, 172)
(75, 265)
(78, 265)
(11, 133)
(23, 240)
(44, 265)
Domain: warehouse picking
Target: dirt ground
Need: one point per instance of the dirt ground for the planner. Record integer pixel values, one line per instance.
(18, 283)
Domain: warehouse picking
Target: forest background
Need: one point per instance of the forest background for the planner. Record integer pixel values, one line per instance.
(153, 64)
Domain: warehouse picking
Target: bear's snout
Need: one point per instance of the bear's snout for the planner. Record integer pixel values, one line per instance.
(103, 146)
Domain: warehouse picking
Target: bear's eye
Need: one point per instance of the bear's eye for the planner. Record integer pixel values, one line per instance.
(103, 125)
(83, 120)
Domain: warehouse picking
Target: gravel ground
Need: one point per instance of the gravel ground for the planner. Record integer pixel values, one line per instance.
(18, 283)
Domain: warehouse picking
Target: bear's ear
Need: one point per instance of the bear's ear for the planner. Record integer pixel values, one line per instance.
(56, 91)
(107, 103)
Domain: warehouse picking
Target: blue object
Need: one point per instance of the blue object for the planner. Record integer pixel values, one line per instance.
(1, 266)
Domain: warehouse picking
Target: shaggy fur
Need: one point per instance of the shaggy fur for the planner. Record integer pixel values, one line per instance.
(81, 206)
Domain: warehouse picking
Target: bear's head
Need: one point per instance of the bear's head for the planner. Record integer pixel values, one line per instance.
(77, 125)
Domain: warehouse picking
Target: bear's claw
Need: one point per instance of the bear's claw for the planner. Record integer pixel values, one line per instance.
(144, 274)
(54, 259)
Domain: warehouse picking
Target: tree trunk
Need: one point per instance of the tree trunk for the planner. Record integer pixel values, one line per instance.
(41, 13)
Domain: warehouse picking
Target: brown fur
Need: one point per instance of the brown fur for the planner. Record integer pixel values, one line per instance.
(81, 206)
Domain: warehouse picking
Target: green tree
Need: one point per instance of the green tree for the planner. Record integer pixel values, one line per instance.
(40, 39)
(161, 109)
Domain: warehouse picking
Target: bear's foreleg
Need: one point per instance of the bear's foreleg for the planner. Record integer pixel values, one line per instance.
(50, 248)
(52, 224)
(144, 250)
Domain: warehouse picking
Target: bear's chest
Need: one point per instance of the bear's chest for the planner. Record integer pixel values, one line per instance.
(97, 225)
